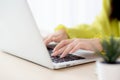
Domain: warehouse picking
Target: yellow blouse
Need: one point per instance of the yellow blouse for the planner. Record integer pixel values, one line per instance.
(101, 27)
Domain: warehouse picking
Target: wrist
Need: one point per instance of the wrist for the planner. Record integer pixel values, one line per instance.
(97, 43)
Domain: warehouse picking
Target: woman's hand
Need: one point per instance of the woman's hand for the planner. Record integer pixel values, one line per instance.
(72, 45)
(56, 37)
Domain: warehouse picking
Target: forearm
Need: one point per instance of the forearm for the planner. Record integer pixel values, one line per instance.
(96, 42)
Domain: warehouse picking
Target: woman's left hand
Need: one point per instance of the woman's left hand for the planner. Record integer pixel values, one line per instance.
(71, 45)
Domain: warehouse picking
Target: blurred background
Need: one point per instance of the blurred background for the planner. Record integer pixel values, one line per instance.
(50, 13)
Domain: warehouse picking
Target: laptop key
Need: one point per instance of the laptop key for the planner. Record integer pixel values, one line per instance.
(67, 58)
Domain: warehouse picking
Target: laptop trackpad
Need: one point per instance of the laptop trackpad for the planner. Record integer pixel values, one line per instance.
(85, 53)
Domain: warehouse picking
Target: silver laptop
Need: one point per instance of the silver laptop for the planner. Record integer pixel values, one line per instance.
(20, 36)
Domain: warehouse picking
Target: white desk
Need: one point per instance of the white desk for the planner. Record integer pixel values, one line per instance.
(12, 68)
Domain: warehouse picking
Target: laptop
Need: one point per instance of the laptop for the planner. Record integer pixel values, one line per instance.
(20, 36)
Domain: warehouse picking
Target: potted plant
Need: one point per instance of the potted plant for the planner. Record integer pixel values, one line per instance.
(108, 68)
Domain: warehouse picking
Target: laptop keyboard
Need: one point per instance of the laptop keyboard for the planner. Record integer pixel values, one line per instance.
(69, 57)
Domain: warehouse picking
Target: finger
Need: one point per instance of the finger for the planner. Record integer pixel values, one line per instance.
(51, 38)
(77, 47)
(67, 50)
(81, 46)
(61, 44)
(48, 40)
(58, 52)
(57, 39)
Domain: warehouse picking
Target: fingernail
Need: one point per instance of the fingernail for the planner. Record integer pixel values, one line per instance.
(52, 54)
(54, 50)
(62, 56)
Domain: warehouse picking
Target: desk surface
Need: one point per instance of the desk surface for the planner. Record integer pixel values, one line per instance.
(12, 68)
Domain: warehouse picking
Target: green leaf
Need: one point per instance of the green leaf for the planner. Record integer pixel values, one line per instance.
(111, 49)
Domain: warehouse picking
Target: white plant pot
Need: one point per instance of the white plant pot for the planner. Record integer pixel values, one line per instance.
(107, 71)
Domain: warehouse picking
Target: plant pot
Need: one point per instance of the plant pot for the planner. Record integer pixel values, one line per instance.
(107, 71)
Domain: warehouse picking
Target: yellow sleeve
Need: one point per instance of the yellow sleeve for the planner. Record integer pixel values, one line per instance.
(81, 31)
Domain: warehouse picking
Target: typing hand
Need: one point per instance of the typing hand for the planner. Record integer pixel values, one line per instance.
(56, 37)
(71, 45)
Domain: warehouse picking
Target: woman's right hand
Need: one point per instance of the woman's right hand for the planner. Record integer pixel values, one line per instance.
(56, 37)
